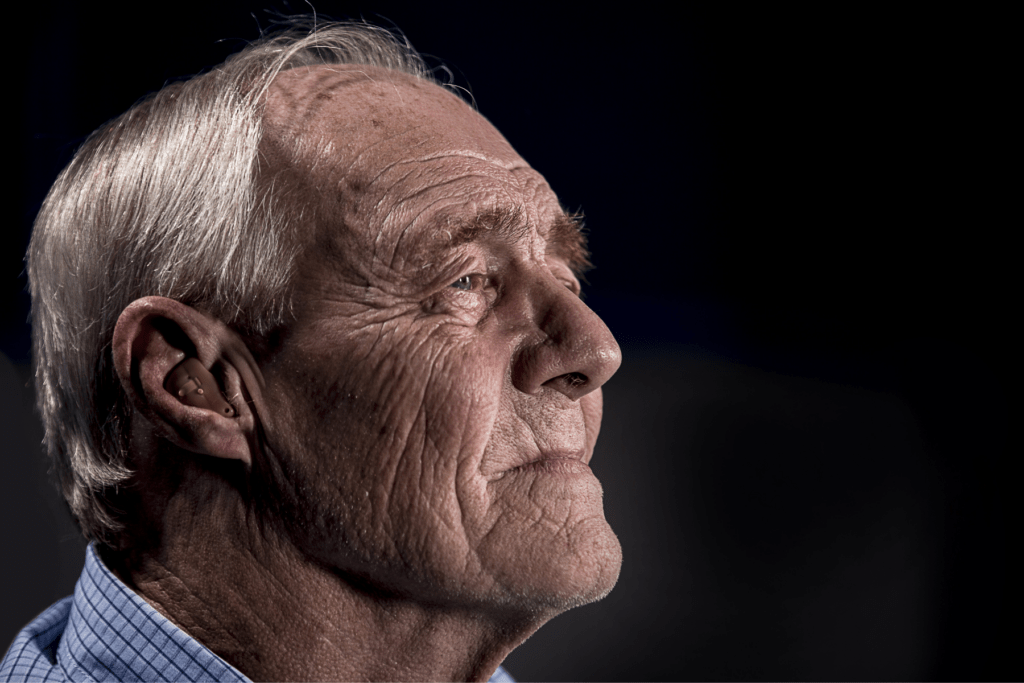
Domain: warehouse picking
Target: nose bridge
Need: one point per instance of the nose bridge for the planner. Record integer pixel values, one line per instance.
(571, 349)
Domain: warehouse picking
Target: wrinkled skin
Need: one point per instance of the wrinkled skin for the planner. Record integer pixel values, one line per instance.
(403, 490)
(424, 421)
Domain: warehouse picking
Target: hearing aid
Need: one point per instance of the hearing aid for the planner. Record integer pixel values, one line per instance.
(191, 382)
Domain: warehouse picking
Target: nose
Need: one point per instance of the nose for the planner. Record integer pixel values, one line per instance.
(571, 350)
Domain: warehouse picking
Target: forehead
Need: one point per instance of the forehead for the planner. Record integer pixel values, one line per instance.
(361, 109)
(390, 151)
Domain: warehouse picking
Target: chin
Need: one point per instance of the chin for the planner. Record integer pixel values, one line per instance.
(544, 583)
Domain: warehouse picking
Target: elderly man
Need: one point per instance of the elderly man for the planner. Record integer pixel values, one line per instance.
(316, 379)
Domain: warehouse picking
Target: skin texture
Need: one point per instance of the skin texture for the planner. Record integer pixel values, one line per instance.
(403, 491)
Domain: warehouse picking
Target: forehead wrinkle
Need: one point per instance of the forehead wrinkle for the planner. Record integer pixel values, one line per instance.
(512, 165)
(507, 165)
(382, 140)
(433, 187)
(427, 189)
(467, 174)
(429, 250)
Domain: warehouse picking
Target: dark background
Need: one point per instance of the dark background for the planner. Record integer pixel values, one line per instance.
(799, 230)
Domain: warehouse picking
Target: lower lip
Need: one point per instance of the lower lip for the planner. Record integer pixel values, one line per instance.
(564, 466)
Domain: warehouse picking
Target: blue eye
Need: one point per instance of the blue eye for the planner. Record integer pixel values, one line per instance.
(465, 284)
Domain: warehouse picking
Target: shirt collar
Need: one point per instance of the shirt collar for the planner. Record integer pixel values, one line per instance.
(113, 634)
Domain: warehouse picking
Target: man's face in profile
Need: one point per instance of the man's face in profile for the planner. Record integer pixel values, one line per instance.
(433, 407)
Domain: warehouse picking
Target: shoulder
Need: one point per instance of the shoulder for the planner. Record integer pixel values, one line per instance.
(33, 654)
(501, 675)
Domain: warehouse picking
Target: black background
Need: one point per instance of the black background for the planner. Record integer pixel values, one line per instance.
(799, 231)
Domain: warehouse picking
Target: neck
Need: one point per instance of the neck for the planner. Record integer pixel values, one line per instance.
(276, 615)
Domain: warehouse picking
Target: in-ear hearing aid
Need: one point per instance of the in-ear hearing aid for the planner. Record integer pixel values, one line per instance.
(191, 382)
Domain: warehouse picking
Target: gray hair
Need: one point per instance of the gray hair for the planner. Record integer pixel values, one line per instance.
(165, 200)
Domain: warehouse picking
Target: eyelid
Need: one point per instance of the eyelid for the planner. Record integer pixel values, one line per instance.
(565, 275)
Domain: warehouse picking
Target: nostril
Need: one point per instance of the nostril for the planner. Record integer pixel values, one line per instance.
(575, 379)
(569, 383)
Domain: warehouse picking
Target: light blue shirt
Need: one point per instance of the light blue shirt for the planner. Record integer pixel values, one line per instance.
(105, 632)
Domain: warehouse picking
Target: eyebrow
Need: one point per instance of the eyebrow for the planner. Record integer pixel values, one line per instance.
(567, 239)
(507, 222)
(565, 236)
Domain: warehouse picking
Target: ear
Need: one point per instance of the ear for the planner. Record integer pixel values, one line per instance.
(189, 375)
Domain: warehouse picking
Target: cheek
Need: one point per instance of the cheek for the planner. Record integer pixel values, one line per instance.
(389, 446)
(444, 393)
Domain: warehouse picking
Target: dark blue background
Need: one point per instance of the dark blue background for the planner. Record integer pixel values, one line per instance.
(799, 231)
